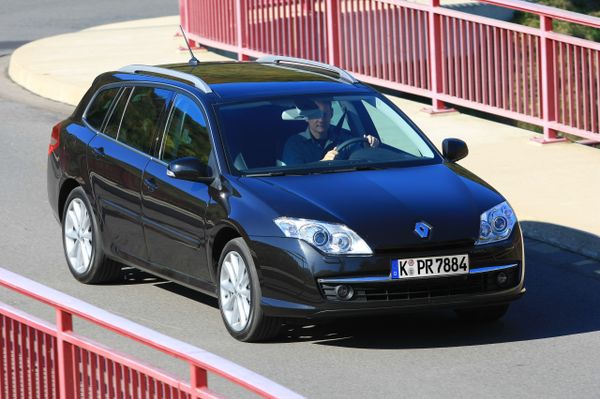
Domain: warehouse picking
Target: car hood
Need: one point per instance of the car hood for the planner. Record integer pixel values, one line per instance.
(383, 206)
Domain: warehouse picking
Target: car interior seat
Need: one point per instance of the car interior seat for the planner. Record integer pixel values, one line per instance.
(256, 136)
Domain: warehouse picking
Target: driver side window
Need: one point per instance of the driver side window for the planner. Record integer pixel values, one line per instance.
(186, 133)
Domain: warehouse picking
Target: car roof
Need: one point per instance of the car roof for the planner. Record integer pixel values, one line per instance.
(233, 81)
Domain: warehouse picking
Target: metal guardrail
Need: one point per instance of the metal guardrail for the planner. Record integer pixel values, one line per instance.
(528, 74)
(41, 360)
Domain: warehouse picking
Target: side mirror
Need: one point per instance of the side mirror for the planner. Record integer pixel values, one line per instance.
(454, 149)
(190, 168)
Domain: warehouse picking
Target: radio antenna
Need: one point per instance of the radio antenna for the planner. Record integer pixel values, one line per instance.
(193, 61)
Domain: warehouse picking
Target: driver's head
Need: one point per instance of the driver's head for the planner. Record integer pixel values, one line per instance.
(319, 121)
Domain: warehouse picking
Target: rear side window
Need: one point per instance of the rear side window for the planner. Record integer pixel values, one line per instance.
(186, 134)
(99, 107)
(142, 117)
(112, 127)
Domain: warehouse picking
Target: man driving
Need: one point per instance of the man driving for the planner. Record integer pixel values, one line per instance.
(319, 142)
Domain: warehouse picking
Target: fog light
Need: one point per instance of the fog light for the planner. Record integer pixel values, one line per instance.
(344, 292)
(501, 279)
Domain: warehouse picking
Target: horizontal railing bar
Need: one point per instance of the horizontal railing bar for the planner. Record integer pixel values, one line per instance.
(574, 131)
(146, 336)
(393, 85)
(224, 46)
(559, 37)
(547, 11)
(486, 21)
(408, 4)
(41, 325)
(491, 109)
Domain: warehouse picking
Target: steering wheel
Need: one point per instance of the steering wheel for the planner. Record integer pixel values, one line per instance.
(348, 142)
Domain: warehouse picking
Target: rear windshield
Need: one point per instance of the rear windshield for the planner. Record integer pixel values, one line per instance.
(320, 134)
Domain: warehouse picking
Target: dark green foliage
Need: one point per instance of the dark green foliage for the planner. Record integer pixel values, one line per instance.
(587, 7)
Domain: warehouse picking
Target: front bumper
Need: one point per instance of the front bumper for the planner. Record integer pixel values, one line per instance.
(298, 281)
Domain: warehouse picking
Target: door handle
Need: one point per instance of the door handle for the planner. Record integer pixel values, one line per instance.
(98, 152)
(150, 184)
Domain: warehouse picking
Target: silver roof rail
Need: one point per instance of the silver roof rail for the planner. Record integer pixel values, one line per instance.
(196, 81)
(276, 59)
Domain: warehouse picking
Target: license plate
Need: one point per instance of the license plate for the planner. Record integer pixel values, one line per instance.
(427, 267)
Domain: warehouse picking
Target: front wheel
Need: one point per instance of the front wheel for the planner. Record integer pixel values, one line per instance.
(240, 294)
(82, 242)
(485, 314)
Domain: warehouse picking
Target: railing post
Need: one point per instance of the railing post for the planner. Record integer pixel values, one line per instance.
(333, 32)
(241, 29)
(3, 354)
(184, 11)
(435, 60)
(66, 382)
(198, 379)
(548, 93)
(183, 15)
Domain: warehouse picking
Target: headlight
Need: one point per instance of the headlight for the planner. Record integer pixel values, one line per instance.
(334, 239)
(496, 224)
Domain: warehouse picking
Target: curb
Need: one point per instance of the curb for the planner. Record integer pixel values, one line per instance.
(572, 240)
(63, 67)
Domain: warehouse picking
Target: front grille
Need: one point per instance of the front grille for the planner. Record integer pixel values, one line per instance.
(425, 288)
(414, 250)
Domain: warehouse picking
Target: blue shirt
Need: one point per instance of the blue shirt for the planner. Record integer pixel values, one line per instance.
(304, 148)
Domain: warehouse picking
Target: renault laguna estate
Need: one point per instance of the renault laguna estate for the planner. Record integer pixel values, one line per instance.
(283, 187)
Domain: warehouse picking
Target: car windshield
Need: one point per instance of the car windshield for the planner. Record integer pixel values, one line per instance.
(298, 135)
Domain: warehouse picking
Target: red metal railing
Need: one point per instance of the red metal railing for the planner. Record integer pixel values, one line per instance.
(528, 74)
(41, 360)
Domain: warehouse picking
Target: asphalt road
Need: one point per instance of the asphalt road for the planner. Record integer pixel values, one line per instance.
(548, 345)
(24, 20)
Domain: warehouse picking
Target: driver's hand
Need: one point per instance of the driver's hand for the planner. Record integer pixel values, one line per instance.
(373, 141)
(330, 156)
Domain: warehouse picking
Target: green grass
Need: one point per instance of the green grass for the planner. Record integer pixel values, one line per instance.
(588, 7)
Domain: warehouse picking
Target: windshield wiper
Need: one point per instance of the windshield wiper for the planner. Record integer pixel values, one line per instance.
(265, 174)
(314, 172)
(348, 169)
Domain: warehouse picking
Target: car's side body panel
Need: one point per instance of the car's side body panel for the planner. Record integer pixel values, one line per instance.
(175, 221)
(116, 179)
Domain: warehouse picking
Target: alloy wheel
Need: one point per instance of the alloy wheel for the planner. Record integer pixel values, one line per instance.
(78, 236)
(235, 291)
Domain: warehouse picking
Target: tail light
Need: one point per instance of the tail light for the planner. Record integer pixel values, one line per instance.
(54, 138)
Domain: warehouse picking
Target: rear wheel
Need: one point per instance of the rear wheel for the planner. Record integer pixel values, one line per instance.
(82, 242)
(240, 294)
(485, 314)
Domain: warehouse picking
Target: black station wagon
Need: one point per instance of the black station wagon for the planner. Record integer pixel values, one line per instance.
(283, 187)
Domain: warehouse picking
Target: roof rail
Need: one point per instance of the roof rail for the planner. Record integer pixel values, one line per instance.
(196, 81)
(276, 59)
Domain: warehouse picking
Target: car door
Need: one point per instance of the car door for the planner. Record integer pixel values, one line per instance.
(175, 209)
(116, 161)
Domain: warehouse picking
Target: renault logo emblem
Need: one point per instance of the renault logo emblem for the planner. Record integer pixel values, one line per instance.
(422, 229)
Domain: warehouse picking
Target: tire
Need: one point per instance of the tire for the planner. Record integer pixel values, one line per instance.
(486, 314)
(82, 242)
(239, 295)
